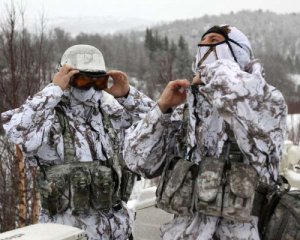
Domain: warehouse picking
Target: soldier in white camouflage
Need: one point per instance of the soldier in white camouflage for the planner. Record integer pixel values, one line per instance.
(231, 144)
(74, 129)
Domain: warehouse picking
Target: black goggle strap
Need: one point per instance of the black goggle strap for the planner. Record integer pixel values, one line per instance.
(227, 41)
(211, 49)
(236, 43)
(216, 54)
(230, 48)
(93, 74)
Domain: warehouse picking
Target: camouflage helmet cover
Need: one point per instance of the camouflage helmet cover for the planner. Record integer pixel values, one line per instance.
(84, 58)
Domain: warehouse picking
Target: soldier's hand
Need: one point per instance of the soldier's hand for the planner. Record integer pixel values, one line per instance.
(62, 78)
(120, 87)
(173, 95)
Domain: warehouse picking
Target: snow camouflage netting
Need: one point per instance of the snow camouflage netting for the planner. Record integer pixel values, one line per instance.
(35, 127)
(256, 113)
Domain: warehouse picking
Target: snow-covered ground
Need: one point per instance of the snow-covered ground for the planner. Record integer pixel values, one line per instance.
(148, 218)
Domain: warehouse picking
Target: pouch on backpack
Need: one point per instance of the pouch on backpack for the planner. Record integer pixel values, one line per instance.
(80, 180)
(239, 192)
(54, 191)
(209, 187)
(102, 187)
(176, 187)
(127, 183)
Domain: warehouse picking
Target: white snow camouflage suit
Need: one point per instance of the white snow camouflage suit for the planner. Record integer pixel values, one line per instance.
(255, 111)
(36, 128)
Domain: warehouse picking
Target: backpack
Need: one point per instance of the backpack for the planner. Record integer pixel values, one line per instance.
(280, 218)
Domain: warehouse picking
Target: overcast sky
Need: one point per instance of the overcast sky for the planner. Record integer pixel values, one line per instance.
(154, 10)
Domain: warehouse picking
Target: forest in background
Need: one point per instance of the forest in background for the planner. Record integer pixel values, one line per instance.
(274, 38)
(151, 58)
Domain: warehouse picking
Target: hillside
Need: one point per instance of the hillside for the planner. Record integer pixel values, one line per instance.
(266, 30)
(275, 39)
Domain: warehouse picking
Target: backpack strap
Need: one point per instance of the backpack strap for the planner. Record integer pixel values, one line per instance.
(115, 161)
(272, 194)
(285, 201)
(68, 139)
(184, 131)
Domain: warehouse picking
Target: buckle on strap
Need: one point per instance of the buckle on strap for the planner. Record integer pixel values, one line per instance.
(117, 207)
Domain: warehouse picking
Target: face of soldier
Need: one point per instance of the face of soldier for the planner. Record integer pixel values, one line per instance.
(212, 48)
(84, 85)
(212, 38)
(84, 96)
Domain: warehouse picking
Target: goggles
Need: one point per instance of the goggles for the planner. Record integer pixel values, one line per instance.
(86, 80)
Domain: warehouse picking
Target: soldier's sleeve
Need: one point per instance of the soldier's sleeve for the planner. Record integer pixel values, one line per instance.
(30, 124)
(255, 110)
(146, 143)
(136, 104)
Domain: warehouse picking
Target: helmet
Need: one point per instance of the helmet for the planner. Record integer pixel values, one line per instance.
(85, 58)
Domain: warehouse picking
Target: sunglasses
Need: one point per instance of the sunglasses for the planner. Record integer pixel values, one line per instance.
(86, 80)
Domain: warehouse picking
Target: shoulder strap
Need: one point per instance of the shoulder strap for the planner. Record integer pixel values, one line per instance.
(69, 151)
(109, 129)
(185, 124)
(290, 200)
(115, 162)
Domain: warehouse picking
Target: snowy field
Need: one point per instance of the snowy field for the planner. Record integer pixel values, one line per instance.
(148, 218)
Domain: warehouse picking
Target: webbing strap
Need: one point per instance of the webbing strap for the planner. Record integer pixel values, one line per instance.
(115, 162)
(68, 139)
